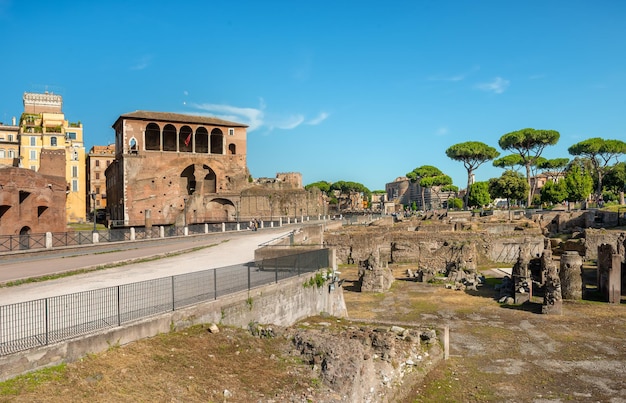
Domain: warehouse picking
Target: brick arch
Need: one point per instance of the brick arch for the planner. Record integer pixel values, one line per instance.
(169, 137)
(209, 182)
(217, 141)
(152, 137)
(220, 209)
(202, 140)
(185, 139)
(188, 179)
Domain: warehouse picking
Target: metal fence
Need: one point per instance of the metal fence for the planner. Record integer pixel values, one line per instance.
(9, 243)
(31, 324)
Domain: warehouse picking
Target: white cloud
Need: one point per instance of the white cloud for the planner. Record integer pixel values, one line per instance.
(498, 85)
(319, 119)
(142, 63)
(256, 118)
(253, 117)
(456, 77)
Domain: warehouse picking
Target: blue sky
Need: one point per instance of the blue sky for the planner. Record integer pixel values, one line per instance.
(360, 91)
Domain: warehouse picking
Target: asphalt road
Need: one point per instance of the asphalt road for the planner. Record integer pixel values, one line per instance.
(216, 250)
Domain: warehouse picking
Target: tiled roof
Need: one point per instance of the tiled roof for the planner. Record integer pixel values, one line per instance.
(180, 118)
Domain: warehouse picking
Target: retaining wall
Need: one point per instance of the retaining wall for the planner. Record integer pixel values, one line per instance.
(279, 304)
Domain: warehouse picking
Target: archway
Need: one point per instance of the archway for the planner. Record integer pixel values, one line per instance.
(217, 141)
(169, 138)
(221, 210)
(188, 179)
(153, 137)
(25, 238)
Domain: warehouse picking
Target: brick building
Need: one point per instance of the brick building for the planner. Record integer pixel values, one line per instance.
(34, 202)
(180, 169)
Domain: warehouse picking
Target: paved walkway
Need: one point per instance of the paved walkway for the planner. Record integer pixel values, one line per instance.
(223, 249)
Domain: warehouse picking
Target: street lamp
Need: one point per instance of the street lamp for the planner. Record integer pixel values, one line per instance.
(93, 197)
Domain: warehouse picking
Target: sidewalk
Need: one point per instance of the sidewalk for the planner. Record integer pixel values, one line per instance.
(220, 250)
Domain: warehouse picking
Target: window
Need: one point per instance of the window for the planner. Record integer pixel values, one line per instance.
(70, 135)
(10, 137)
(33, 140)
(231, 131)
(97, 175)
(75, 156)
(3, 154)
(97, 163)
(74, 185)
(53, 141)
(11, 154)
(97, 189)
(108, 163)
(33, 155)
(33, 168)
(74, 172)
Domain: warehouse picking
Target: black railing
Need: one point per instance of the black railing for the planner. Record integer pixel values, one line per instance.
(31, 324)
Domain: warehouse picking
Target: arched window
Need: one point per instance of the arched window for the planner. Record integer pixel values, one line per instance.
(169, 138)
(53, 141)
(217, 141)
(133, 146)
(231, 149)
(202, 140)
(153, 137)
(210, 180)
(185, 139)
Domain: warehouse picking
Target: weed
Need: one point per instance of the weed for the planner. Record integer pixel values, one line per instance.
(249, 303)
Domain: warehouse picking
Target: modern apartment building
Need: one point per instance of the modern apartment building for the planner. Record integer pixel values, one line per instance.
(9, 144)
(43, 126)
(98, 160)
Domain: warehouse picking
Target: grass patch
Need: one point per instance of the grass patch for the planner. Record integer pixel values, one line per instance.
(29, 382)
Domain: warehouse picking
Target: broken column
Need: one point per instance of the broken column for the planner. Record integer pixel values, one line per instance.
(372, 276)
(552, 297)
(571, 275)
(609, 273)
(522, 282)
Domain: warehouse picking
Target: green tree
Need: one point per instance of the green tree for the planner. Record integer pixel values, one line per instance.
(509, 162)
(553, 168)
(578, 183)
(321, 185)
(428, 176)
(473, 154)
(600, 152)
(529, 144)
(554, 192)
(511, 185)
(479, 194)
(615, 181)
(455, 203)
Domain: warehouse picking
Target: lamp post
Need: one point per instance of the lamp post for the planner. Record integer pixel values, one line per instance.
(93, 198)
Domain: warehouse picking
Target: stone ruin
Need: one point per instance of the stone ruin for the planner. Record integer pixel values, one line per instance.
(571, 275)
(521, 276)
(373, 276)
(612, 269)
(552, 297)
(460, 271)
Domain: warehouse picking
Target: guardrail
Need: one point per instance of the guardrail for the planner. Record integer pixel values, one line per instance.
(32, 324)
(10, 243)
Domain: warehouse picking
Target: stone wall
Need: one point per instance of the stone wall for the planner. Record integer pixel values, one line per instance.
(430, 248)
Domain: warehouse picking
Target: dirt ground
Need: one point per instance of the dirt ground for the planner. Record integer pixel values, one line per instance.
(497, 354)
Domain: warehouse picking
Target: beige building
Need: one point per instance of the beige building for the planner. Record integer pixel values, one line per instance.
(404, 192)
(43, 126)
(9, 144)
(98, 160)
